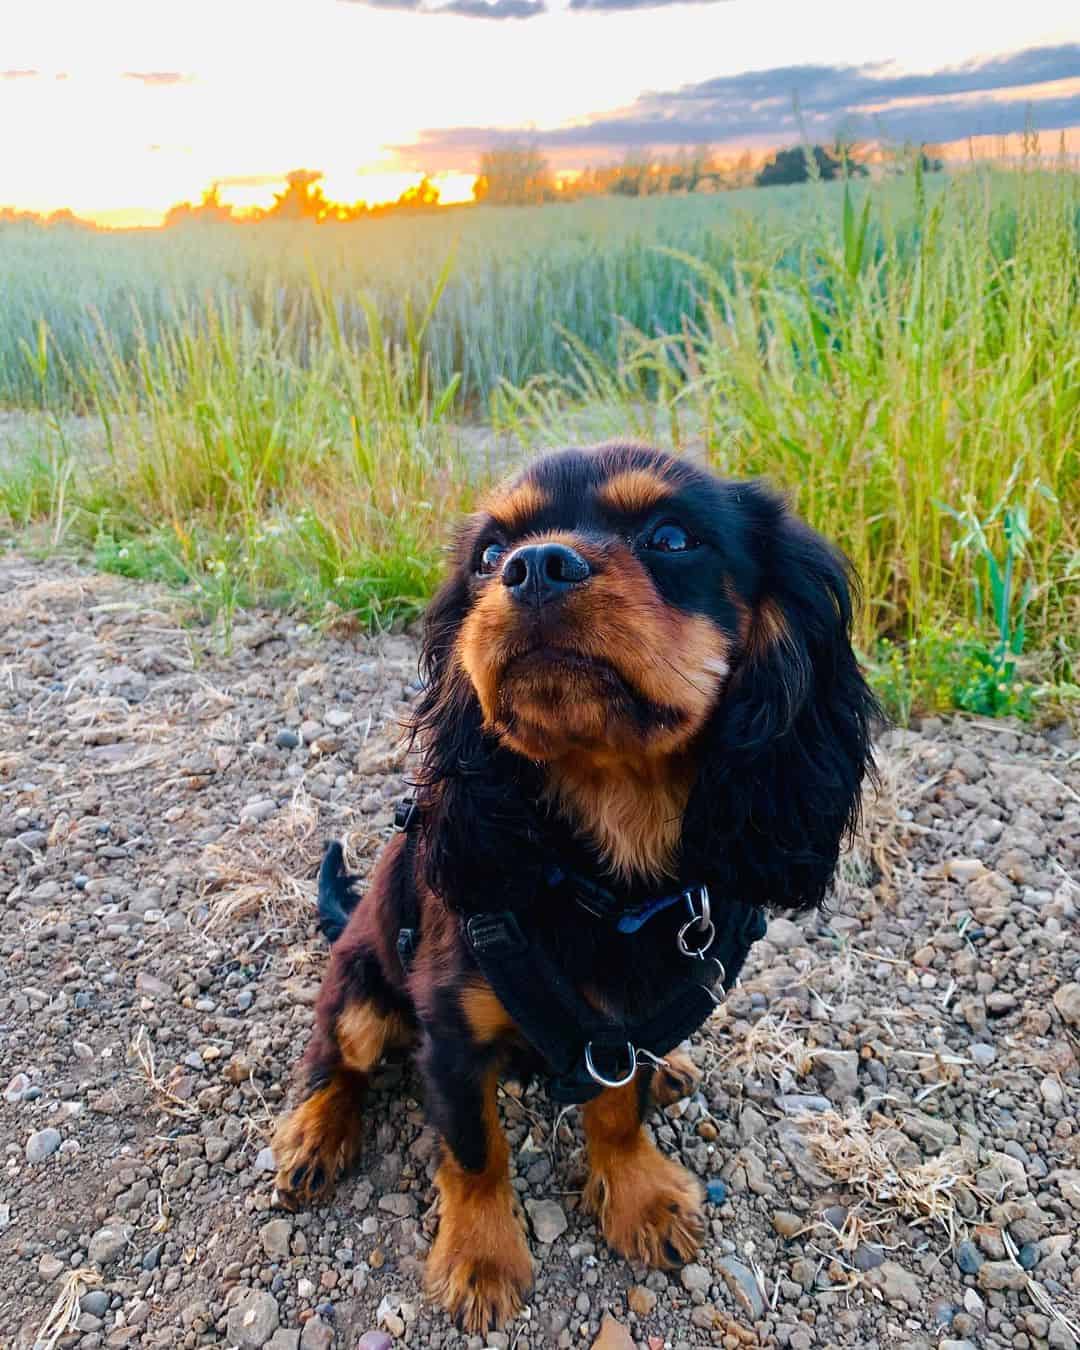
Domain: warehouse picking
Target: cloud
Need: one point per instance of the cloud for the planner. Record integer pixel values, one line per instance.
(159, 78)
(469, 9)
(942, 105)
(613, 6)
(19, 74)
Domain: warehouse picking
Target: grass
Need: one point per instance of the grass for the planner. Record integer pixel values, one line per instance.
(298, 415)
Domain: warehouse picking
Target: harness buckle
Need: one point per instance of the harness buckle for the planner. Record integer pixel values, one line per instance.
(496, 934)
(597, 1077)
(697, 902)
(404, 814)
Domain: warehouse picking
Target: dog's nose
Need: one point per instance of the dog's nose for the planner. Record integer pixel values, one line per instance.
(537, 574)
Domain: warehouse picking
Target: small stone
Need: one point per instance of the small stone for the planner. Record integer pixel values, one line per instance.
(253, 1320)
(968, 1258)
(715, 1192)
(548, 1219)
(956, 1345)
(1000, 1002)
(316, 1335)
(108, 1243)
(275, 1236)
(783, 934)
(743, 1287)
(641, 1300)
(613, 1336)
(14, 1091)
(1028, 1255)
(264, 1160)
(50, 1266)
(838, 1071)
(997, 1275)
(965, 869)
(217, 1149)
(695, 1277)
(304, 1288)
(95, 1302)
(400, 1205)
(786, 1223)
(152, 1258)
(259, 809)
(899, 1285)
(41, 1145)
(374, 1340)
(286, 739)
(1051, 1092)
(866, 1257)
(284, 1339)
(151, 985)
(1067, 1002)
(982, 1053)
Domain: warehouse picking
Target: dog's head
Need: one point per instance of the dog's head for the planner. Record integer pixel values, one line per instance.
(660, 655)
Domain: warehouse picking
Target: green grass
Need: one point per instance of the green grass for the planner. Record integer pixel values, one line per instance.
(281, 412)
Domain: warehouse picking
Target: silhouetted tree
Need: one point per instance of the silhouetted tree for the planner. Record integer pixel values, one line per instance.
(209, 211)
(422, 194)
(790, 166)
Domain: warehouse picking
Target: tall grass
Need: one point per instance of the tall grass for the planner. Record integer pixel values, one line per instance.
(890, 371)
(283, 412)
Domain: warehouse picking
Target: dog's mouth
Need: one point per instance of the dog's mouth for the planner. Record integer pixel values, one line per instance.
(546, 659)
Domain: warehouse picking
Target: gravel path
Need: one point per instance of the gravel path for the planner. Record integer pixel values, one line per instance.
(887, 1117)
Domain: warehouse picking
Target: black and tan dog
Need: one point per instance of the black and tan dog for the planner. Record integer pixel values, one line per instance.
(639, 683)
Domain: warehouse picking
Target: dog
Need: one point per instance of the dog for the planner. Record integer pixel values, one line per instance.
(642, 726)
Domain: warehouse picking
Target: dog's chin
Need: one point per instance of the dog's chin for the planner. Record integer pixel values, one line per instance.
(553, 701)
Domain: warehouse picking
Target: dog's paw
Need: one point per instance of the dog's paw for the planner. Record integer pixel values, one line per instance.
(480, 1274)
(648, 1208)
(677, 1078)
(313, 1147)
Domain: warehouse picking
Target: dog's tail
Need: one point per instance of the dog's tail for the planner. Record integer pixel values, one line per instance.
(337, 898)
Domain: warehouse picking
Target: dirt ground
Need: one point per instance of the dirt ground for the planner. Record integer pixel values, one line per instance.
(887, 1117)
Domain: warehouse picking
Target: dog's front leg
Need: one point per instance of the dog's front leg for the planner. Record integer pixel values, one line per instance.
(648, 1207)
(479, 1268)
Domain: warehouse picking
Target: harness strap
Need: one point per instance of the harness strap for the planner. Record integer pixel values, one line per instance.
(576, 1041)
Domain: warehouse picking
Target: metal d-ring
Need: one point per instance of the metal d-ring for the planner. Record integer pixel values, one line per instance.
(703, 922)
(597, 1077)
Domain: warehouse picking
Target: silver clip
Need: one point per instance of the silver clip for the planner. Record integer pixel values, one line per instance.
(702, 922)
(597, 1077)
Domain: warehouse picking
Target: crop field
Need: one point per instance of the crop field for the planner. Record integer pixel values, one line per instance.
(298, 413)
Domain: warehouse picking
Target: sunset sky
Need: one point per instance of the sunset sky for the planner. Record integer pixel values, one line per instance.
(119, 108)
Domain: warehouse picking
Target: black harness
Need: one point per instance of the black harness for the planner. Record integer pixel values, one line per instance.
(585, 1050)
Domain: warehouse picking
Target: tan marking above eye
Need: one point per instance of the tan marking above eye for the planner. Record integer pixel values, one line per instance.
(515, 506)
(633, 492)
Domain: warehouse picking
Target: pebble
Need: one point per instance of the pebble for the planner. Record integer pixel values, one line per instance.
(316, 1335)
(968, 1257)
(715, 1192)
(108, 1244)
(982, 1053)
(286, 739)
(275, 1236)
(998, 1275)
(899, 1285)
(400, 1205)
(783, 934)
(16, 1088)
(1067, 1002)
(613, 1336)
(641, 1300)
(547, 1218)
(253, 1320)
(41, 1145)
(695, 1277)
(374, 1340)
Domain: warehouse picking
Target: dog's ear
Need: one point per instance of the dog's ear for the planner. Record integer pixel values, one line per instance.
(785, 754)
(479, 831)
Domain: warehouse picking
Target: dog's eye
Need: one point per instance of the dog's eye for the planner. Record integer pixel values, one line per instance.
(489, 559)
(670, 537)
